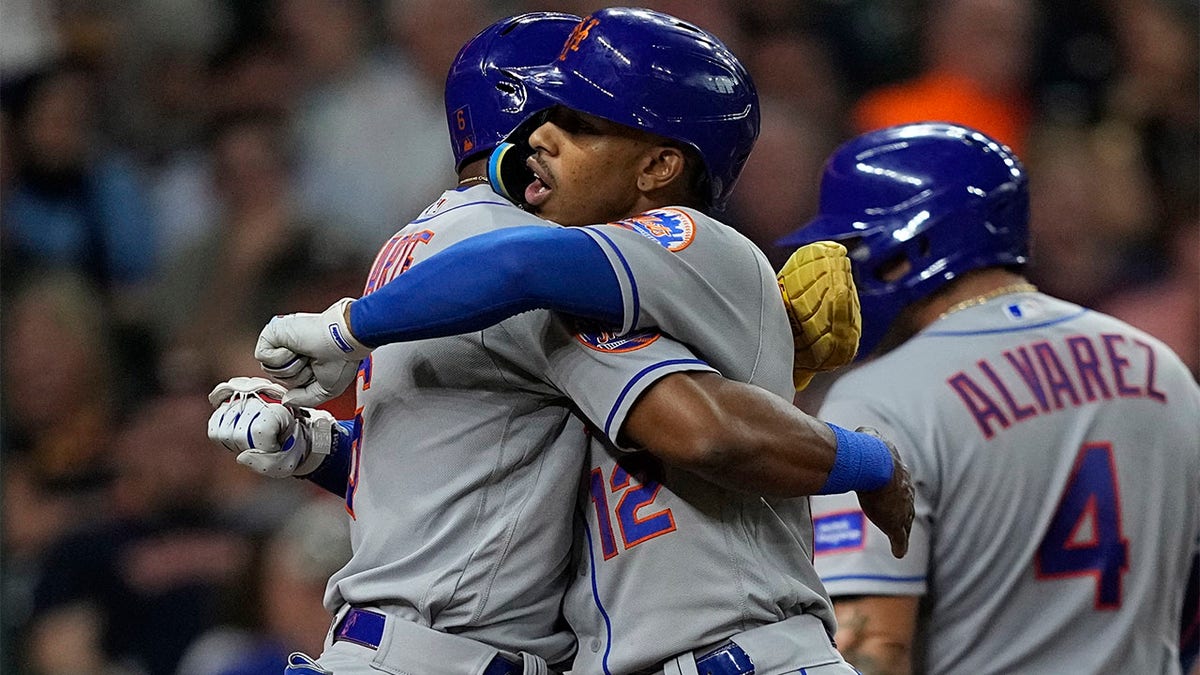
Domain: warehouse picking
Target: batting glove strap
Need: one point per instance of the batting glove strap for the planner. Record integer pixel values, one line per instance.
(246, 386)
(337, 329)
(318, 428)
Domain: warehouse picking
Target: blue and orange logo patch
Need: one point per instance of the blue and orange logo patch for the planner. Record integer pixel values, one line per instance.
(839, 532)
(605, 341)
(672, 228)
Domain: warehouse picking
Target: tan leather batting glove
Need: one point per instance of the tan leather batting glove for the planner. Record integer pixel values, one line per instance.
(822, 306)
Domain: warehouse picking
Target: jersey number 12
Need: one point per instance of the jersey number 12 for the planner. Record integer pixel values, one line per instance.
(635, 527)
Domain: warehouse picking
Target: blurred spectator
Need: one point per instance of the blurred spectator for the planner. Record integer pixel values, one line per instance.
(795, 68)
(1078, 57)
(74, 203)
(58, 401)
(371, 134)
(777, 190)
(218, 293)
(295, 565)
(1168, 307)
(28, 36)
(1156, 93)
(244, 80)
(427, 35)
(1080, 244)
(69, 640)
(57, 382)
(976, 72)
(162, 568)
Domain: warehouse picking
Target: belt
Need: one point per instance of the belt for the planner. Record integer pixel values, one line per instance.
(728, 659)
(365, 627)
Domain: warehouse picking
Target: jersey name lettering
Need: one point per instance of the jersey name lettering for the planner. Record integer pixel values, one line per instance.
(395, 257)
(1041, 378)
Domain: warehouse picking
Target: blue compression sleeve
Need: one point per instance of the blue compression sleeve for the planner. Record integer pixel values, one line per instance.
(333, 472)
(863, 463)
(485, 279)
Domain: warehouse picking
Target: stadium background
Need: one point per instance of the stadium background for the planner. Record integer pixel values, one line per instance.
(174, 172)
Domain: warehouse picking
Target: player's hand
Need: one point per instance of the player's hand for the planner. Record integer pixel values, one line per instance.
(314, 355)
(891, 506)
(822, 306)
(267, 436)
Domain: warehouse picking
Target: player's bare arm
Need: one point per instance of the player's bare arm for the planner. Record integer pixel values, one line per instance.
(767, 446)
(745, 438)
(875, 632)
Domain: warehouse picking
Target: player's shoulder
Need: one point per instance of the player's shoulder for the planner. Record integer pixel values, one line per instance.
(675, 228)
(467, 204)
(470, 210)
(1093, 320)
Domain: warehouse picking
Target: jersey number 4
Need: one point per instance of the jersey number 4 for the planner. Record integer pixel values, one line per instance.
(1084, 537)
(634, 525)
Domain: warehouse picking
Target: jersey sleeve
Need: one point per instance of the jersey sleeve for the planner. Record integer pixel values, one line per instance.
(601, 372)
(853, 556)
(727, 280)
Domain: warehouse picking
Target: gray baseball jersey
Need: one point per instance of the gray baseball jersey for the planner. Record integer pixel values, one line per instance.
(465, 474)
(671, 563)
(1056, 457)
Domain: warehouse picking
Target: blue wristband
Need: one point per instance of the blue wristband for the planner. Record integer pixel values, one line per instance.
(863, 463)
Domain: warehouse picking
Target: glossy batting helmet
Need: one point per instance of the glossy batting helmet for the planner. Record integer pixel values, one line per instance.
(654, 72)
(944, 198)
(484, 100)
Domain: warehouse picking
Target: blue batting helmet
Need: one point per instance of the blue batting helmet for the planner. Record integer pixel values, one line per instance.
(654, 72)
(944, 198)
(484, 100)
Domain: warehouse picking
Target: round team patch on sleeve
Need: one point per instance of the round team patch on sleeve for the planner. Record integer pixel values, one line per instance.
(605, 341)
(672, 228)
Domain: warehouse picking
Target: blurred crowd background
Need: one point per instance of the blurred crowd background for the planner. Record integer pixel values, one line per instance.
(174, 172)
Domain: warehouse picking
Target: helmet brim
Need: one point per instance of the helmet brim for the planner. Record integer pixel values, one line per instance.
(827, 228)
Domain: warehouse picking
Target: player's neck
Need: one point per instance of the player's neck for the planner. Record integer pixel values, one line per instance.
(972, 288)
(473, 173)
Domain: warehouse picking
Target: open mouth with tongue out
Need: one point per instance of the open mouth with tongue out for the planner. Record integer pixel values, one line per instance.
(539, 189)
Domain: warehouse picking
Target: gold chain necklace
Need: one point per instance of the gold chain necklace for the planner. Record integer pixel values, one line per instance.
(1023, 287)
(473, 179)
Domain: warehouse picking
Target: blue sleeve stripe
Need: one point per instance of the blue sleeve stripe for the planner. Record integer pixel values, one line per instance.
(1012, 329)
(873, 577)
(637, 307)
(637, 378)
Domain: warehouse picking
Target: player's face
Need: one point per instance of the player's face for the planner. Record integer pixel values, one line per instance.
(586, 169)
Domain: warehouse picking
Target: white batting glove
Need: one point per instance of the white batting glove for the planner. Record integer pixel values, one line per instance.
(269, 437)
(314, 355)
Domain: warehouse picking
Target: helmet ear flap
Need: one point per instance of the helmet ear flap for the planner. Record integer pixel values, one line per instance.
(484, 96)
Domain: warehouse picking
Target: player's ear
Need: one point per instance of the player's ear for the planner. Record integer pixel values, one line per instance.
(662, 166)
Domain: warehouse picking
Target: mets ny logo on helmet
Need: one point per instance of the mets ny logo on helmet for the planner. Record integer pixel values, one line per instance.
(578, 35)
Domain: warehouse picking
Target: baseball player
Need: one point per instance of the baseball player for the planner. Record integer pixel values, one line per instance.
(459, 542)
(457, 375)
(675, 563)
(1055, 450)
